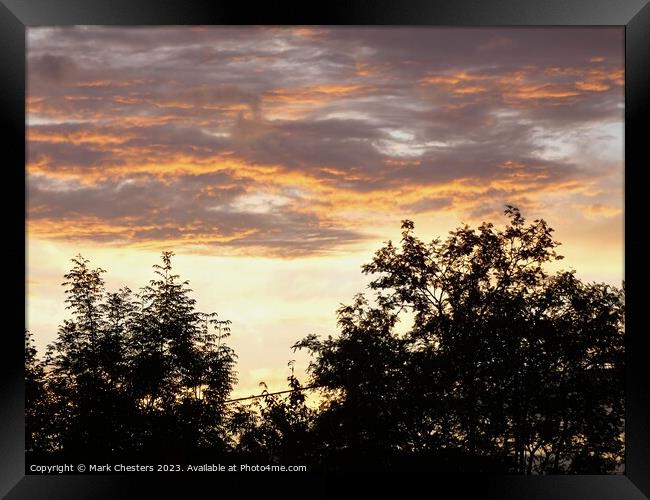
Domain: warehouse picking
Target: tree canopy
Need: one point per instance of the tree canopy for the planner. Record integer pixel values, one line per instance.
(505, 366)
(140, 373)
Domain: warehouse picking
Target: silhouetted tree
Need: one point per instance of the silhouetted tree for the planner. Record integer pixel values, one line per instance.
(37, 410)
(181, 370)
(85, 360)
(275, 428)
(143, 373)
(361, 371)
(505, 368)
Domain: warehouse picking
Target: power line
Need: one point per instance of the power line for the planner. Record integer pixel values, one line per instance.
(273, 393)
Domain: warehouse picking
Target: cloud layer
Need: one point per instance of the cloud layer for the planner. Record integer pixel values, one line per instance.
(291, 141)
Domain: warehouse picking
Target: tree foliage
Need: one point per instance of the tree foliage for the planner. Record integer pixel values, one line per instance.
(36, 399)
(504, 366)
(275, 429)
(135, 373)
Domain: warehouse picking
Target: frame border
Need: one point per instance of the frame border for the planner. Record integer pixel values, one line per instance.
(634, 15)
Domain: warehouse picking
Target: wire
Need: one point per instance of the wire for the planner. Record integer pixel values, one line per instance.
(273, 393)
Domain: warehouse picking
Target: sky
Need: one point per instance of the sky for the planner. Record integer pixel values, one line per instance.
(274, 161)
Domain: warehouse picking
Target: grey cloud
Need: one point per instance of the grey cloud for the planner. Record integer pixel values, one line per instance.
(394, 132)
(428, 204)
(69, 155)
(52, 68)
(139, 196)
(151, 210)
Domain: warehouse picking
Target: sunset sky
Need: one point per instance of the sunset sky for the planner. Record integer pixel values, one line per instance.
(275, 161)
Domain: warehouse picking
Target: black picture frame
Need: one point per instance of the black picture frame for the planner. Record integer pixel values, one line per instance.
(17, 15)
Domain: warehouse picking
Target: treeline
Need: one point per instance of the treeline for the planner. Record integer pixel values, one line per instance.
(506, 368)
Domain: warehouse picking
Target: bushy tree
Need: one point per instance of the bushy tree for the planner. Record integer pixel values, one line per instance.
(132, 373)
(275, 428)
(91, 406)
(506, 367)
(361, 374)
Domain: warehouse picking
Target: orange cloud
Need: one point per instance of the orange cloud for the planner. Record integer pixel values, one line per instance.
(315, 94)
(74, 98)
(600, 74)
(93, 228)
(534, 92)
(34, 104)
(528, 83)
(345, 179)
(109, 83)
(364, 69)
(82, 137)
(592, 86)
(451, 79)
(294, 103)
(471, 89)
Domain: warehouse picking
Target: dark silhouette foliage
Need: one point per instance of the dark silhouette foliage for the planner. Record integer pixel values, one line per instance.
(37, 407)
(275, 429)
(132, 374)
(504, 367)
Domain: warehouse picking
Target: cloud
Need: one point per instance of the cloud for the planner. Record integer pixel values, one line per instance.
(428, 204)
(286, 141)
(53, 68)
(497, 43)
(206, 210)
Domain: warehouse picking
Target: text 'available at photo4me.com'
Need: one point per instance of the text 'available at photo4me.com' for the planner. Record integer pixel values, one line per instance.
(126, 468)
